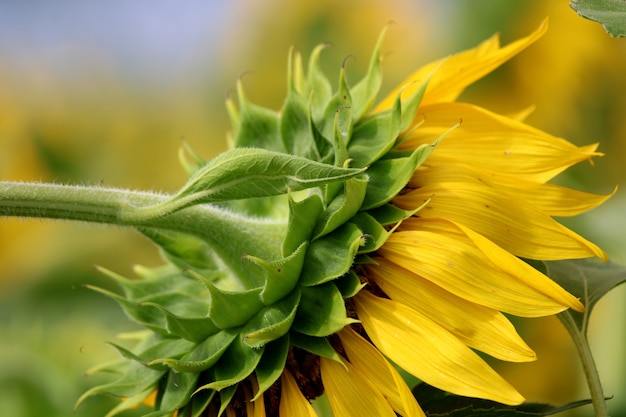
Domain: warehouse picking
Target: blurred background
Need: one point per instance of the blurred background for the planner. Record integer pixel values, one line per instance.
(105, 93)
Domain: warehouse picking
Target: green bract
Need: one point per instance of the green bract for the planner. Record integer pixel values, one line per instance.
(234, 299)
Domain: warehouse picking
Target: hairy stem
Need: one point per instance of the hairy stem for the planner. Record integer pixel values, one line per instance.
(589, 365)
(229, 235)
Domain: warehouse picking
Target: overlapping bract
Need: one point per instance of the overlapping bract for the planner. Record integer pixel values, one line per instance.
(428, 215)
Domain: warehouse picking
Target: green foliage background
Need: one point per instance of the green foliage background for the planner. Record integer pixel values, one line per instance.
(72, 111)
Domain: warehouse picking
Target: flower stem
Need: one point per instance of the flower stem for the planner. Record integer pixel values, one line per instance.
(589, 365)
(228, 234)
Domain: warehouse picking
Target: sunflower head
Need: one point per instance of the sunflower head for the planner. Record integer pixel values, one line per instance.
(352, 239)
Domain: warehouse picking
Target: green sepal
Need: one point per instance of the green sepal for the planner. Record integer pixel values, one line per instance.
(365, 91)
(337, 120)
(303, 216)
(316, 345)
(204, 355)
(195, 329)
(388, 214)
(237, 363)
(322, 311)
(281, 276)
(343, 206)
(233, 308)
(175, 392)
(136, 379)
(410, 105)
(226, 396)
(375, 234)
(331, 256)
(170, 348)
(129, 403)
(374, 136)
(183, 250)
(272, 364)
(197, 405)
(317, 84)
(295, 125)
(389, 176)
(242, 173)
(148, 317)
(271, 322)
(254, 126)
(349, 285)
(189, 159)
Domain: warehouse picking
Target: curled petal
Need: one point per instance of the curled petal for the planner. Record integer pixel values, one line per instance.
(429, 352)
(460, 70)
(475, 269)
(372, 363)
(350, 393)
(292, 402)
(509, 222)
(491, 142)
(552, 199)
(479, 327)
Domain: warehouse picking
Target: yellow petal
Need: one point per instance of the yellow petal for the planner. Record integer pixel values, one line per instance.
(477, 326)
(350, 393)
(551, 199)
(509, 222)
(491, 142)
(443, 254)
(429, 352)
(364, 356)
(292, 402)
(460, 70)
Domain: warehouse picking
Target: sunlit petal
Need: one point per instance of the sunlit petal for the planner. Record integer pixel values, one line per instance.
(445, 255)
(364, 356)
(292, 402)
(480, 327)
(350, 393)
(515, 226)
(462, 69)
(552, 199)
(495, 143)
(429, 352)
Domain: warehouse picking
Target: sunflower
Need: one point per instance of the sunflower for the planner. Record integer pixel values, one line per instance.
(345, 240)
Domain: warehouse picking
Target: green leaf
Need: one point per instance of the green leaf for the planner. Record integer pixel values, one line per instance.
(242, 173)
(389, 215)
(331, 256)
(271, 322)
(322, 311)
(272, 364)
(204, 355)
(587, 279)
(437, 403)
(226, 396)
(610, 13)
